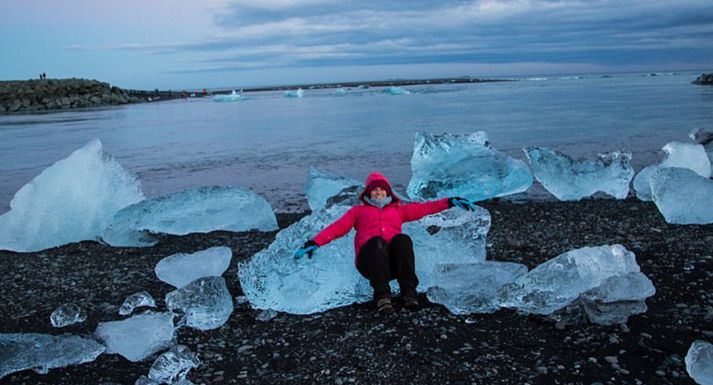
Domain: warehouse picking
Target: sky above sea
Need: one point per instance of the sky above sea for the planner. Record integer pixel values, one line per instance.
(181, 44)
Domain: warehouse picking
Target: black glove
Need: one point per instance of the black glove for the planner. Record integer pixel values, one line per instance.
(308, 248)
(461, 202)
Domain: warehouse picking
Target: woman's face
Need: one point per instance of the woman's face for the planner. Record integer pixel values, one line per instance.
(378, 193)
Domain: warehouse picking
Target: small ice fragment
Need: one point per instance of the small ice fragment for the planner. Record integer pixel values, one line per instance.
(42, 352)
(570, 180)
(181, 269)
(448, 165)
(135, 300)
(143, 380)
(472, 288)
(206, 303)
(197, 210)
(699, 362)
(173, 365)
(682, 196)
(241, 300)
(138, 337)
(340, 92)
(266, 315)
(322, 185)
(67, 314)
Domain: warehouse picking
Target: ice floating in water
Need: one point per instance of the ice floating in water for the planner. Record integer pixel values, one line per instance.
(559, 281)
(321, 186)
(681, 155)
(196, 210)
(138, 337)
(572, 180)
(273, 279)
(173, 365)
(206, 303)
(181, 269)
(699, 362)
(340, 92)
(397, 91)
(472, 288)
(67, 314)
(42, 352)
(70, 201)
(232, 97)
(464, 165)
(617, 298)
(682, 196)
(136, 300)
(294, 93)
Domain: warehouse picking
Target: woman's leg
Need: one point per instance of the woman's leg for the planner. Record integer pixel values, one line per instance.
(373, 264)
(403, 264)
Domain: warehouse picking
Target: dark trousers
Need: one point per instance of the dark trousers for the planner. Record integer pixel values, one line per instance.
(380, 262)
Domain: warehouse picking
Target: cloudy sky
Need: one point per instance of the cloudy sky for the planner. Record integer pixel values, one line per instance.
(178, 44)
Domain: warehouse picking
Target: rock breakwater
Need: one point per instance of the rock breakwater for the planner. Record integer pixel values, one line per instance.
(54, 94)
(704, 79)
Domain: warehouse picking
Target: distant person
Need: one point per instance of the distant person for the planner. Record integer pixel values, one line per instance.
(44, 75)
(383, 252)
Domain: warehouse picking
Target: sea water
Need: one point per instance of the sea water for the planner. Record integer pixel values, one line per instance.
(268, 142)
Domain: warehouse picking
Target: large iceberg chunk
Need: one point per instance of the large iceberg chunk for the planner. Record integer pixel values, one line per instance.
(464, 165)
(704, 137)
(570, 180)
(273, 279)
(138, 337)
(196, 210)
(682, 196)
(181, 269)
(699, 362)
(205, 302)
(321, 186)
(42, 352)
(173, 365)
(70, 201)
(617, 298)
(472, 288)
(681, 155)
(559, 281)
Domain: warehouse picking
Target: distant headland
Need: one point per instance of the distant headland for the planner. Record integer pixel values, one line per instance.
(37, 95)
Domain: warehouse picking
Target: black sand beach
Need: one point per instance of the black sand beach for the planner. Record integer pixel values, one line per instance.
(354, 345)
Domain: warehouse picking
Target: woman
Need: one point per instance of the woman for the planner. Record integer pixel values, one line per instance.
(383, 252)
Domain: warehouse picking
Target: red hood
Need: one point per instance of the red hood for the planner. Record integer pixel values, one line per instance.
(378, 176)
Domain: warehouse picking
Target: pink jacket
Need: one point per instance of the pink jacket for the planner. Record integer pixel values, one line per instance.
(370, 221)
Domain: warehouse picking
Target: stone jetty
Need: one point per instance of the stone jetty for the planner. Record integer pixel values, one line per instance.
(53, 94)
(704, 79)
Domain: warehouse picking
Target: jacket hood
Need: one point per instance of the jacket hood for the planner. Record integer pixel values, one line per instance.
(378, 177)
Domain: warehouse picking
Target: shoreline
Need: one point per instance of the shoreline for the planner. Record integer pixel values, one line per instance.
(354, 345)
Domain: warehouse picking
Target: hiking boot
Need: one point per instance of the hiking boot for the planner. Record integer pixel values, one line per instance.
(411, 302)
(384, 306)
(410, 298)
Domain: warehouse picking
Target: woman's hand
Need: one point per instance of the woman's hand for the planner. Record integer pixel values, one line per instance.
(462, 203)
(308, 248)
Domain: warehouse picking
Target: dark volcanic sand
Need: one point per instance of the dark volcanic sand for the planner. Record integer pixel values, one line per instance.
(353, 345)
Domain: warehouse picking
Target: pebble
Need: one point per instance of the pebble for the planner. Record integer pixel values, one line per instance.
(218, 379)
(612, 359)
